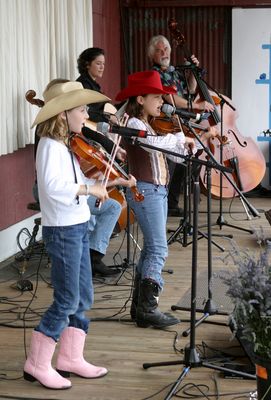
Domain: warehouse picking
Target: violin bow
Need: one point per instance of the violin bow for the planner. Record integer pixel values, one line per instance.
(113, 154)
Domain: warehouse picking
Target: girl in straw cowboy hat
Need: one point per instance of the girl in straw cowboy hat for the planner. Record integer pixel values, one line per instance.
(144, 93)
(63, 192)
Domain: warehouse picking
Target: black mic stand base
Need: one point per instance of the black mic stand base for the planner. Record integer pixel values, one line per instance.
(192, 360)
(221, 222)
(209, 310)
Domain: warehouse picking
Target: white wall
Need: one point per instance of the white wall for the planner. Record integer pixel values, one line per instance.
(8, 237)
(39, 41)
(251, 28)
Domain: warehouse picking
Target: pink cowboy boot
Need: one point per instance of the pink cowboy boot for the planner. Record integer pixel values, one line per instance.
(70, 357)
(38, 364)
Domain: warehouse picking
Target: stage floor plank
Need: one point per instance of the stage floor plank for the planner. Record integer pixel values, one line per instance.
(114, 341)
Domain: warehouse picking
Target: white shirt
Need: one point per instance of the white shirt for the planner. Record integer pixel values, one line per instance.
(174, 143)
(57, 187)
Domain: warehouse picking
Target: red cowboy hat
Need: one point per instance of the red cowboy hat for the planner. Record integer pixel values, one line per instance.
(145, 82)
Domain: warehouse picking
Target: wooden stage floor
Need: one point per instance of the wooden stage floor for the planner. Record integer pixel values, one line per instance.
(114, 341)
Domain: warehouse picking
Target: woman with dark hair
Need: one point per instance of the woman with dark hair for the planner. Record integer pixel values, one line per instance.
(90, 65)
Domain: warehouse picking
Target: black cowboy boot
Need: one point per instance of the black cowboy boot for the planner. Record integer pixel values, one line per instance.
(99, 267)
(135, 296)
(147, 312)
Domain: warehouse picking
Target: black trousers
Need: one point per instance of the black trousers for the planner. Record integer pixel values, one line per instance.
(177, 176)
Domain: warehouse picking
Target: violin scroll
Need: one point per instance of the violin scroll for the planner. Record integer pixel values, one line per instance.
(137, 195)
(30, 94)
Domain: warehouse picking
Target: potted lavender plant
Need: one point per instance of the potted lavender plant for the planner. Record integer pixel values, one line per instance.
(249, 287)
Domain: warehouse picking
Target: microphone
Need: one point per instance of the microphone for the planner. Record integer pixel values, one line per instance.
(103, 115)
(170, 110)
(105, 128)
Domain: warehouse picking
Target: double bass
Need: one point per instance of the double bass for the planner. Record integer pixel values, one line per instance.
(239, 153)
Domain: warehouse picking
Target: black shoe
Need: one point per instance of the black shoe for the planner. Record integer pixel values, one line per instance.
(114, 235)
(104, 270)
(135, 296)
(147, 312)
(175, 212)
(258, 191)
(99, 267)
(268, 216)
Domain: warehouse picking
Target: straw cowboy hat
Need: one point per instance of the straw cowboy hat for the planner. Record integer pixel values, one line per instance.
(145, 82)
(65, 96)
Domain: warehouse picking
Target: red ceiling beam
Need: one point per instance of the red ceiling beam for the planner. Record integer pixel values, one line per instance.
(195, 3)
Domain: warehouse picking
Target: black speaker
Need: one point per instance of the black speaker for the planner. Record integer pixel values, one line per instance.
(246, 346)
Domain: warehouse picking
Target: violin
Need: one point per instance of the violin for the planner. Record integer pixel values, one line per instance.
(241, 154)
(94, 161)
(98, 162)
(164, 124)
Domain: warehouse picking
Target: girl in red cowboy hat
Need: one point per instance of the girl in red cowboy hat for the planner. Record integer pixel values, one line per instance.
(144, 94)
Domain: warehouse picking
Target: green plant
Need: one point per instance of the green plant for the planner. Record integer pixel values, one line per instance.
(249, 287)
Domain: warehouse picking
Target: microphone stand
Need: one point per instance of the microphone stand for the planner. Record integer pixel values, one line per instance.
(185, 225)
(128, 262)
(220, 220)
(210, 307)
(191, 357)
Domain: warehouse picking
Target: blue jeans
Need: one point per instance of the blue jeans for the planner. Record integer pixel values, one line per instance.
(102, 223)
(71, 276)
(151, 215)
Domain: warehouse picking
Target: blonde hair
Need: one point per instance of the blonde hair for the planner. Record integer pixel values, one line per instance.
(55, 127)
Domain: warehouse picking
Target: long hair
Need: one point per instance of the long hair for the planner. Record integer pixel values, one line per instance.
(54, 128)
(86, 58)
(133, 108)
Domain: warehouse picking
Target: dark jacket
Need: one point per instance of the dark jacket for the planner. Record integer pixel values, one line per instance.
(96, 109)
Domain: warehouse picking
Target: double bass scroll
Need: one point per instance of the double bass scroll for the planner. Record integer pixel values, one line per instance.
(241, 154)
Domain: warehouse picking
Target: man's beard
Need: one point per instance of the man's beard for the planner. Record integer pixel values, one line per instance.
(164, 62)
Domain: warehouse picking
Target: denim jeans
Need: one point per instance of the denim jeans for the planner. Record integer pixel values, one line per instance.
(151, 215)
(102, 222)
(71, 276)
